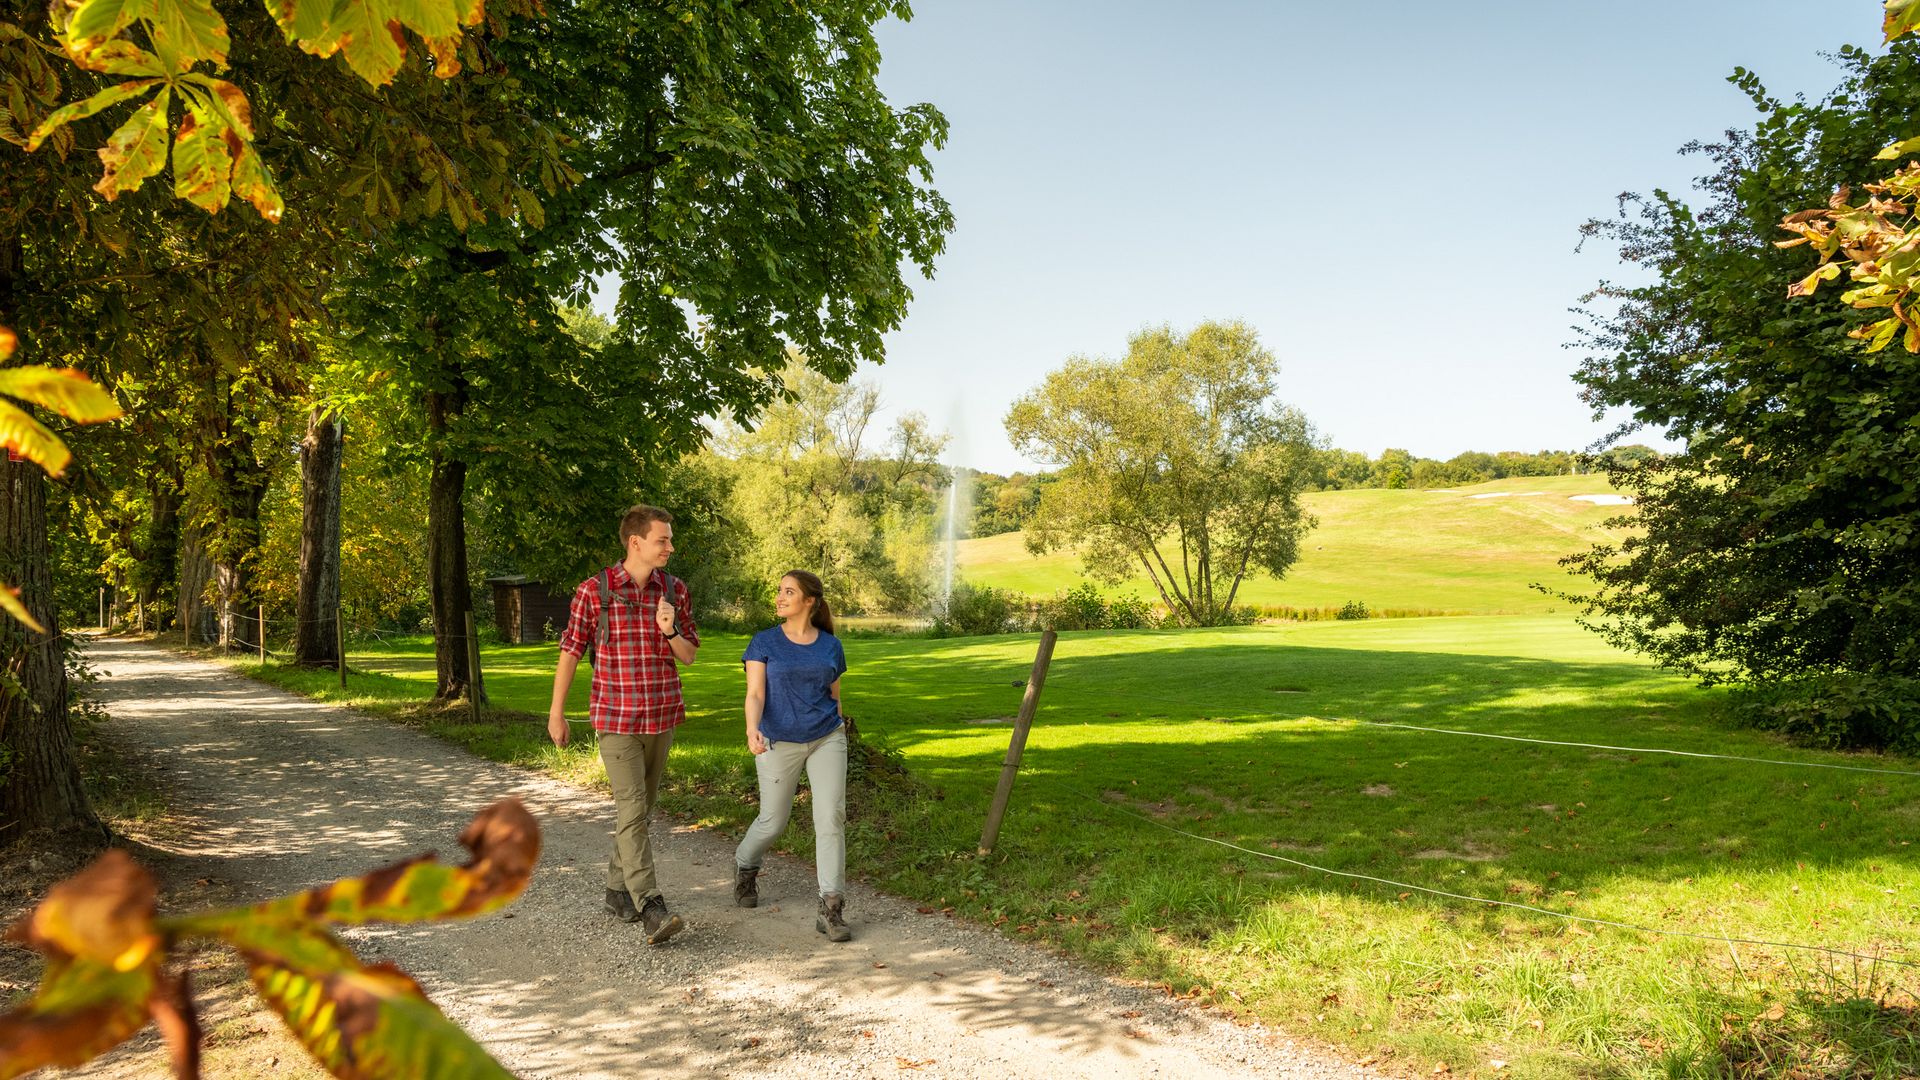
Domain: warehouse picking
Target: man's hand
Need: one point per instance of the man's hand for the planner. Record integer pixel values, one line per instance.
(664, 616)
(557, 729)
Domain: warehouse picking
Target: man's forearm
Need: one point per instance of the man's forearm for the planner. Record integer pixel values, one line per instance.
(683, 650)
(563, 682)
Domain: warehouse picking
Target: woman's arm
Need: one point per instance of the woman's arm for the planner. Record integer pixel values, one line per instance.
(756, 703)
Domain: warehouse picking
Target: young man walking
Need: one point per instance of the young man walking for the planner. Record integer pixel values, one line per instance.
(639, 621)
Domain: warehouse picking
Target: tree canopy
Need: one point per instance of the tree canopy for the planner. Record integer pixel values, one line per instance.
(1784, 539)
(1175, 459)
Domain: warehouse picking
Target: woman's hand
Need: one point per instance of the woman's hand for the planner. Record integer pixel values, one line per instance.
(757, 742)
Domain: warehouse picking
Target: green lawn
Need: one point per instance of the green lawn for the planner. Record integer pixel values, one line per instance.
(1244, 734)
(1436, 550)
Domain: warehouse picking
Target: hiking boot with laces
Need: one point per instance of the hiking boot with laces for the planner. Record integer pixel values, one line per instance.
(832, 905)
(746, 887)
(659, 923)
(620, 906)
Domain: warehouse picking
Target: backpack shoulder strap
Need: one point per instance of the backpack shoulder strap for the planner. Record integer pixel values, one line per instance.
(603, 579)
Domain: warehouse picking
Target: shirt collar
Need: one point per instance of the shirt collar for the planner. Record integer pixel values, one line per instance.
(619, 578)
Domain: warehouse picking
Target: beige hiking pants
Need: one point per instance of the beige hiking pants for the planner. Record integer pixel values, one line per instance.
(635, 764)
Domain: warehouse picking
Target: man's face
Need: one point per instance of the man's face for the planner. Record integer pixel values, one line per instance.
(655, 547)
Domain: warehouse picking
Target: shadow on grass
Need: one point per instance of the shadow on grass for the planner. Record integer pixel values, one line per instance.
(1247, 737)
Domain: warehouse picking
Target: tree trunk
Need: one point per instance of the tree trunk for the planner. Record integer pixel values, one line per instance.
(40, 788)
(157, 575)
(447, 555)
(318, 604)
(197, 617)
(239, 485)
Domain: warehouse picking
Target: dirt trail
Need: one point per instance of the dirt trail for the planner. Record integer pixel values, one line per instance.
(274, 793)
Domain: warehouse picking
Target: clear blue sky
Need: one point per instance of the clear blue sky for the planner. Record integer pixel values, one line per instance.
(1389, 192)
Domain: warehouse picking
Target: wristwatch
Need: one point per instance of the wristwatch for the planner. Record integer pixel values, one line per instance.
(675, 634)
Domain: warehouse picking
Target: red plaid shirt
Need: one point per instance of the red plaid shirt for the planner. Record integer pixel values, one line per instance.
(636, 681)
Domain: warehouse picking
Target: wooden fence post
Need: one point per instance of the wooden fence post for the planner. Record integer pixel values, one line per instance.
(473, 669)
(1018, 745)
(261, 630)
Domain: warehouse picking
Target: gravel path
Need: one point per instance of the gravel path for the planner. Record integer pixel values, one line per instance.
(276, 793)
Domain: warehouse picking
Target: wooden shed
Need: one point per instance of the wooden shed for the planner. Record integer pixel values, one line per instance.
(523, 608)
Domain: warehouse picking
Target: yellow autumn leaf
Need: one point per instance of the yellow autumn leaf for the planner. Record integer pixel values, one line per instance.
(25, 436)
(64, 390)
(372, 32)
(1903, 16)
(202, 158)
(137, 150)
(11, 603)
(66, 114)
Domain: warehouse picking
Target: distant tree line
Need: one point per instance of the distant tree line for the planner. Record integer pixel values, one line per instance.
(1003, 504)
(1396, 468)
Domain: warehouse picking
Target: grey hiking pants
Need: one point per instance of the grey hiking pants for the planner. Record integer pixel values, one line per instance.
(825, 760)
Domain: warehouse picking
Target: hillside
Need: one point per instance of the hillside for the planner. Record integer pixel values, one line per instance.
(1471, 549)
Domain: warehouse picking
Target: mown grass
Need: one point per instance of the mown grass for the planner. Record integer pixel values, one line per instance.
(1439, 550)
(1245, 735)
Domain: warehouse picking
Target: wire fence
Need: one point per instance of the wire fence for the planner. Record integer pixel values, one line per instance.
(1204, 711)
(1407, 886)
(1730, 940)
(1051, 783)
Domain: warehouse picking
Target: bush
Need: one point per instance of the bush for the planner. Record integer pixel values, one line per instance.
(1079, 608)
(974, 609)
(1130, 612)
(1354, 609)
(1844, 711)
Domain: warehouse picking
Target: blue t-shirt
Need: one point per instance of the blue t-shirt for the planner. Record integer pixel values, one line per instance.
(800, 678)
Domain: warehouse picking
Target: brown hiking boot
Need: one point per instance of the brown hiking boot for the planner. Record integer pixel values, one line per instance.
(830, 923)
(620, 906)
(659, 923)
(746, 889)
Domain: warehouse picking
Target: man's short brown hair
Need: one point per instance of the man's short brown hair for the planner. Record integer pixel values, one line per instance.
(638, 521)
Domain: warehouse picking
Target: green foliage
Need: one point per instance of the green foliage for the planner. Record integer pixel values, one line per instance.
(974, 610)
(1876, 241)
(1130, 612)
(1354, 609)
(808, 489)
(1079, 608)
(1785, 539)
(1340, 470)
(1174, 460)
(1840, 711)
(1004, 504)
(983, 609)
(108, 953)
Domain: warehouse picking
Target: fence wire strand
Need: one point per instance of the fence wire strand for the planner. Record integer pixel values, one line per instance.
(1201, 709)
(1409, 886)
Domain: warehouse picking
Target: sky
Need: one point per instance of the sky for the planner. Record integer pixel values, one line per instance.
(1389, 193)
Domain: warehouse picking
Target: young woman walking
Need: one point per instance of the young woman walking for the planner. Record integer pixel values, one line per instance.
(794, 722)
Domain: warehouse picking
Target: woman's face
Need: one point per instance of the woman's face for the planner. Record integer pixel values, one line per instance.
(789, 601)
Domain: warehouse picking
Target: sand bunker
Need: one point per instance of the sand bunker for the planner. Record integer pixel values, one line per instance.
(1604, 500)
